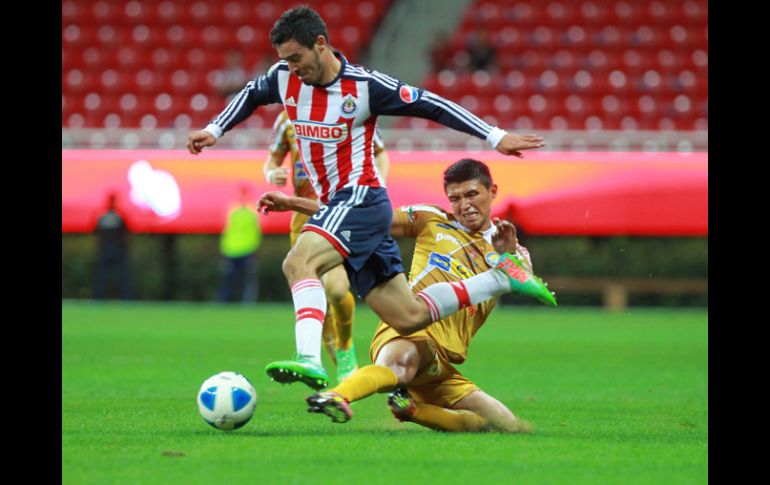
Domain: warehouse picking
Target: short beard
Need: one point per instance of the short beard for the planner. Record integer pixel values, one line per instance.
(318, 68)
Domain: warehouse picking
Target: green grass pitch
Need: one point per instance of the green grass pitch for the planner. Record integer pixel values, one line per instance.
(614, 398)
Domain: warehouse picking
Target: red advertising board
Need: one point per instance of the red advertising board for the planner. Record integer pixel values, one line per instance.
(570, 193)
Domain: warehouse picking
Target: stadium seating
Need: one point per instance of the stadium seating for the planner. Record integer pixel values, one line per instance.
(585, 64)
(128, 61)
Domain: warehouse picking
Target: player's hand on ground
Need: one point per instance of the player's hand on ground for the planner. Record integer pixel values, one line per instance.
(273, 202)
(278, 176)
(512, 144)
(198, 140)
(504, 239)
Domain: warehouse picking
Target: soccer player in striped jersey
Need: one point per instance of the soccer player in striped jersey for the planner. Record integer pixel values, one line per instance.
(333, 106)
(418, 369)
(338, 326)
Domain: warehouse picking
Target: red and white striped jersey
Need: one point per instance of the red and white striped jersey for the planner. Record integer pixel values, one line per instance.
(335, 124)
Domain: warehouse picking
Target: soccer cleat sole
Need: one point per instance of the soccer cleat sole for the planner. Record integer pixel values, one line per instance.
(288, 377)
(401, 405)
(328, 406)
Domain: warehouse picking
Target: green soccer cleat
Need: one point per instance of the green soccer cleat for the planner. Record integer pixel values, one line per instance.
(346, 363)
(524, 282)
(331, 404)
(302, 369)
(401, 404)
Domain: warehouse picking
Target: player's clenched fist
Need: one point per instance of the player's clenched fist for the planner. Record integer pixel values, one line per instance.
(512, 144)
(198, 140)
(278, 176)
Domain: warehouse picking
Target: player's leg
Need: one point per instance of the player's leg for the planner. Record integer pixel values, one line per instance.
(451, 402)
(341, 308)
(329, 335)
(398, 361)
(496, 415)
(394, 302)
(405, 408)
(310, 257)
(298, 220)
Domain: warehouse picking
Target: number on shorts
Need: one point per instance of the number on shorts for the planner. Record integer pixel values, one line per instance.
(319, 215)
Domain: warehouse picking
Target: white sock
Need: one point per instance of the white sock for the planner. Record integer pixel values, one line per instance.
(310, 309)
(444, 299)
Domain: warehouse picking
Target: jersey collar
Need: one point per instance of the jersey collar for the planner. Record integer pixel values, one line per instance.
(487, 234)
(343, 63)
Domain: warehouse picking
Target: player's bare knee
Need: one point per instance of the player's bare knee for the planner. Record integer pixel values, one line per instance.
(404, 373)
(294, 268)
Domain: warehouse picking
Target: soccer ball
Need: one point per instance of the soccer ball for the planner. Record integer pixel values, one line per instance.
(227, 400)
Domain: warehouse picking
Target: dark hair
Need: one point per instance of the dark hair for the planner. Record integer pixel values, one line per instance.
(467, 169)
(302, 24)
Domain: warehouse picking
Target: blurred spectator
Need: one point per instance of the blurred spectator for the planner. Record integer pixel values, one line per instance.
(240, 241)
(231, 79)
(112, 258)
(480, 51)
(441, 52)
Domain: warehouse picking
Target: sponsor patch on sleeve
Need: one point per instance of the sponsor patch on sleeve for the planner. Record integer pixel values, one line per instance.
(408, 94)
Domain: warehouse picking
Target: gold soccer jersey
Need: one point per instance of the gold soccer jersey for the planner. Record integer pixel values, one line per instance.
(444, 251)
(284, 142)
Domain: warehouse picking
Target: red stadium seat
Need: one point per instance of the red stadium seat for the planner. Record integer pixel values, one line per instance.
(104, 12)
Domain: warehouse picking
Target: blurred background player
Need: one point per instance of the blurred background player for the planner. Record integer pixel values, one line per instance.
(419, 368)
(240, 241)
(338, 326)
(333, 106)
(112, 256)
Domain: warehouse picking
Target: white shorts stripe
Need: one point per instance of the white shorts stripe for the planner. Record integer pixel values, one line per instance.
(338, 212)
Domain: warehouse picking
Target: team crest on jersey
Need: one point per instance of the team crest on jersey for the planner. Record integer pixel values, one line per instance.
(408, 93)
(492, 258)
(349, 107)
(320, 132)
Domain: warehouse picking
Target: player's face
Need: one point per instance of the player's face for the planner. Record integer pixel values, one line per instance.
(303, 62)
(472, 203)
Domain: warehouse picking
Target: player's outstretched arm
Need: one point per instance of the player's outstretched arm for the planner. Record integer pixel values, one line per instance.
(198, 140)
(511, 144)
(280, 202)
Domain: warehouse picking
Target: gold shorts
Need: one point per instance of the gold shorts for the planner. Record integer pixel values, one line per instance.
(439, 383)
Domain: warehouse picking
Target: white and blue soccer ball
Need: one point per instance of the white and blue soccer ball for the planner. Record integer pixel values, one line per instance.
(227, 400)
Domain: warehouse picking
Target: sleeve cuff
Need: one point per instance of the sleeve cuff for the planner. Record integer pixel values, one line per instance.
(495, 136)
(216, 130)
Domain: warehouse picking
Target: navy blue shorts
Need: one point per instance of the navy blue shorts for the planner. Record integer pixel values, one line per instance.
(356, 221)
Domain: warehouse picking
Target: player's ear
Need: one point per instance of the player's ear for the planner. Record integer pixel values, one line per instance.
(493, 190)
(321, 43)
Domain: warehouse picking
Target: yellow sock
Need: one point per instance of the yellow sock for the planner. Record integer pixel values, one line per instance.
(343, 320)
(366, 381)
(442, 419)
(329, 335)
